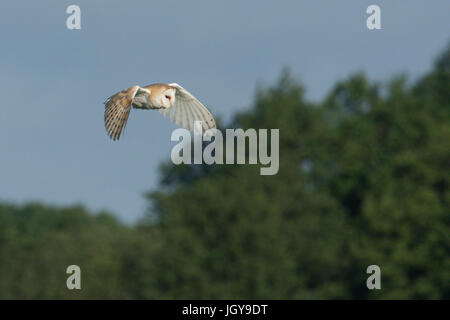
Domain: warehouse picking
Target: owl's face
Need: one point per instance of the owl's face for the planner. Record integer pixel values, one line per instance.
(167, 98)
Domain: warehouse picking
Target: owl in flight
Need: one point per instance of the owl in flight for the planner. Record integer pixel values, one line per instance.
(172, 100)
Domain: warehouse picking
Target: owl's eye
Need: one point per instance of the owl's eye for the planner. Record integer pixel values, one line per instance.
(168, 97)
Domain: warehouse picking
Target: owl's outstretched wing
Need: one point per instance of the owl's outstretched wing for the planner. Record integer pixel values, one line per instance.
(117, 110)
(188, 109)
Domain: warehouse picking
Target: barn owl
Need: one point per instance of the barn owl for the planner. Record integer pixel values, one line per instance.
(172, 100)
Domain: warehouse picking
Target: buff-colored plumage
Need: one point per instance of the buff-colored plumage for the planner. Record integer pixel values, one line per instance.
(172, 100)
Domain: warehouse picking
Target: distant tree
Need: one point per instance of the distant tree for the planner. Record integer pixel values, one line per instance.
(38, 243)
(363, 180)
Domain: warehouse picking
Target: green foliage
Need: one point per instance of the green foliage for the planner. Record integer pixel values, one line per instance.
(38, 243)
(363, 180)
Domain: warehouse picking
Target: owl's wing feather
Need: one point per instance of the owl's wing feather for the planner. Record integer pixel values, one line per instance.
(117, 110)
(187, 109)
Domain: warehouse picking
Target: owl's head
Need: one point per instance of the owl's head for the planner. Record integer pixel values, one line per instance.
(167, 98)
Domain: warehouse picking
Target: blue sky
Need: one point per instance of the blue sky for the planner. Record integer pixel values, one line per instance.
(53, 81)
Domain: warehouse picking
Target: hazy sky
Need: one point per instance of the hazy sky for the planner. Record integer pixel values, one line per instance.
(53, 81)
